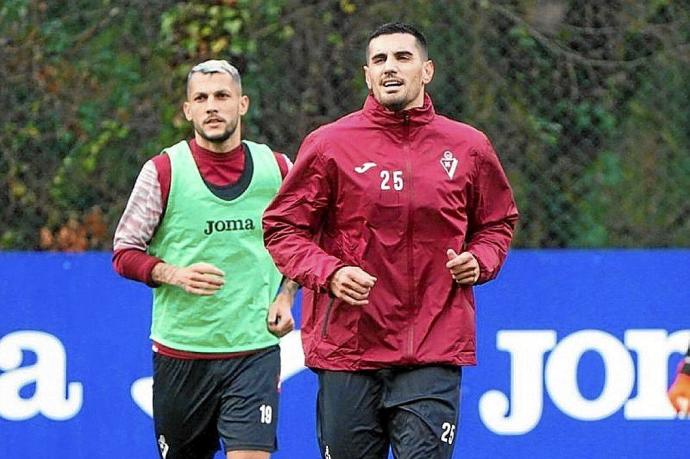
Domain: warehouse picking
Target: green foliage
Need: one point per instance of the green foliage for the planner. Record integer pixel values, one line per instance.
(587, 103)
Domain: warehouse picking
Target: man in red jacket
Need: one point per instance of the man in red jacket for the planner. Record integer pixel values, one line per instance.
(389, 217)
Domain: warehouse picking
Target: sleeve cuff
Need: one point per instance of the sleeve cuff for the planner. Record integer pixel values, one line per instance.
(483, 271)
(150, 264)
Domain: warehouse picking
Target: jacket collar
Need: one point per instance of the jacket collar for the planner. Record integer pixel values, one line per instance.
(378, 114)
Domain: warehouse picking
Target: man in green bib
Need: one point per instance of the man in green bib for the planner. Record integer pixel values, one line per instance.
(192, 229)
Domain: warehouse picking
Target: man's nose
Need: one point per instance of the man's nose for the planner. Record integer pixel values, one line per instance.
(390, 66)
(211, 105)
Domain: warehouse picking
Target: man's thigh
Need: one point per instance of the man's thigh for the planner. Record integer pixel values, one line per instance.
(349, 422)
(185, 407)
(249, 405)
(423, 406)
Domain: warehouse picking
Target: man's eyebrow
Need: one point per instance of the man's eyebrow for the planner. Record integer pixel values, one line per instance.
(401, 53)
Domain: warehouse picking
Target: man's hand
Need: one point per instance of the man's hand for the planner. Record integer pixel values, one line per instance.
(352, 285)
(679, 394)
(280, 321)
(198, 279)
(464, 267)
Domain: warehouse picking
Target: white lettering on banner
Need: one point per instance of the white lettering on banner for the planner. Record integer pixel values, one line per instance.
(48, 374)
(561, 375)
(142, 394)
(539, 365)
(653, 348)
(527, 349)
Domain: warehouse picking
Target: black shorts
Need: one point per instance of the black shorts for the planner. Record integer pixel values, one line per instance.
(413, 411)
(198, 402)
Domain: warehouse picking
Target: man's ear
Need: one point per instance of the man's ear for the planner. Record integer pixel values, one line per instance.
(186, 108)
(427, 72)
(367, 78)
(244, 104)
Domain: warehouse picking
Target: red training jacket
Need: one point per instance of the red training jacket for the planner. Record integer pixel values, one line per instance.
(390, 193)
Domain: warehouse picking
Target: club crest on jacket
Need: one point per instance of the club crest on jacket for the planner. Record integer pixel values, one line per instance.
(449, 163)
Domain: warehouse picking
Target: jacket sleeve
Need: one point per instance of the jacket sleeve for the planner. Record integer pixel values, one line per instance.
(492, 215)
(293, 221)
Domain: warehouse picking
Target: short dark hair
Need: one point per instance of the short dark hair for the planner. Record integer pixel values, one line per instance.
(400, 27)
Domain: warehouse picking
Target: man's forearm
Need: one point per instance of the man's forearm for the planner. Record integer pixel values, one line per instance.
(289, 288)
(164, 273)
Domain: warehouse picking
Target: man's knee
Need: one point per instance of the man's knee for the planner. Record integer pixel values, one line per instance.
(414, 435)
(247, 455)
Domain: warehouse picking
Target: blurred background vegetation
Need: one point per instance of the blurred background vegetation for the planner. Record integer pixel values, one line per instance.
(587, 102)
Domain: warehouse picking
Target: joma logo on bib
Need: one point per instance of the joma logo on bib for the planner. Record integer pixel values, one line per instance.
(228, 225)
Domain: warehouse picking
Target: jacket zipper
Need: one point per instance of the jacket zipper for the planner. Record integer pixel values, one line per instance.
(410, 238)
(327, 317)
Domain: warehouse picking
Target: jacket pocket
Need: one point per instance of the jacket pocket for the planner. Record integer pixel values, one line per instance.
(327, 317)
(339, 329)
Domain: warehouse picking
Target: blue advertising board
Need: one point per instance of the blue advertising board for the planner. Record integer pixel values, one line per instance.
(575, 349)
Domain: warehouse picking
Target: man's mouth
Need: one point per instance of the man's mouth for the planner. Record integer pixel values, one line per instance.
(214, 121)
(392, 83)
